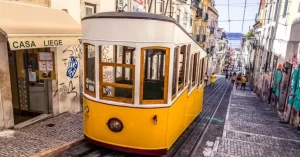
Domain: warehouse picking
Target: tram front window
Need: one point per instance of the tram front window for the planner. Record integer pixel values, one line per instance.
(117, 73)
(154, 75)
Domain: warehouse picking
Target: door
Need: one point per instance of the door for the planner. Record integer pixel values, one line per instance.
(37, 88)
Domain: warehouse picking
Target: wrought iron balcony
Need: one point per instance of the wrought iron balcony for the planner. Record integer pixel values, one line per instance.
(205, 17)
(199, 13)
(198, 38)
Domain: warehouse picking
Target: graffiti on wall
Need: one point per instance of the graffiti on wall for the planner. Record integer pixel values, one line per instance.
(286, 71)
(277, 81)
(72, 64)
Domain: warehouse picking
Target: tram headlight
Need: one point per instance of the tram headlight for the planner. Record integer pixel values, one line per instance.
(115, 125)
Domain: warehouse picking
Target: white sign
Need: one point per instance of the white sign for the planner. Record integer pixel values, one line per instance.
(45, 56)
(49, 66)
(42, 66)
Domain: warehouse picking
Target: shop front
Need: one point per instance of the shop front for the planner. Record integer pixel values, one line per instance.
(39, 50)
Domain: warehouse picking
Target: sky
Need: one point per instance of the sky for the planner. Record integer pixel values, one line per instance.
(236, 10)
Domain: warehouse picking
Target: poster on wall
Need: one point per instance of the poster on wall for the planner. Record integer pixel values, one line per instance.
(46, 63)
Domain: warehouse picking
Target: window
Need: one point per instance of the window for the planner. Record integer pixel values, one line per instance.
(187, 61)
(154, 75)
(195, 58)
(90, 9)
(117, 73)
(162, 4)
(201, 76)
(185, 18)
(191, 21)
(269, 18)
(276, 10)
(178, 15)
(172, 12)
(285, 8)
(89, 70)
(174, 79)
(182, 60)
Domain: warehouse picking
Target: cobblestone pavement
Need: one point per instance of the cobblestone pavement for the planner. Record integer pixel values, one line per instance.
(252, 129)
(42, 136)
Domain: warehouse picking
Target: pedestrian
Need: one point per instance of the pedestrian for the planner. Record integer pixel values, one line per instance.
(244, 80)
(238, 80)
(226, 75)
(230, 75)
(212, 79)
(232, 78)
(205, 79)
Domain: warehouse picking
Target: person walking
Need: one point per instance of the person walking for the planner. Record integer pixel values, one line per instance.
(226, 75)
(212, 79)
(230, 75)
(233, 78)
(238, 80)
(205, 79)
(244, 80)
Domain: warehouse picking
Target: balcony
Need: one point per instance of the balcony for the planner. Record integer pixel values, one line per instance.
(205, 17)
(199, 13)
(212, 30)
(203, 38)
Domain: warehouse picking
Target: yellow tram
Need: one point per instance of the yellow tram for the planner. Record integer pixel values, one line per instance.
(143, 81)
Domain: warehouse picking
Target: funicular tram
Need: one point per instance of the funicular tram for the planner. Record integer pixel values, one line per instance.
(143, 81)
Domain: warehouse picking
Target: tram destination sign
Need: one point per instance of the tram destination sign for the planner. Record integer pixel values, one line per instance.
(40, 42)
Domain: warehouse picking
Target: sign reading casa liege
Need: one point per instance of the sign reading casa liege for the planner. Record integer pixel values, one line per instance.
(39, 42)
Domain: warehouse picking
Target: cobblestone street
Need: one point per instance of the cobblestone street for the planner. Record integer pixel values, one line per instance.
(41, 137)
(253, 129)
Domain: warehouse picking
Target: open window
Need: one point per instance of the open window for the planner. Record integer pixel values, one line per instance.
(187, 64)
(117, 73)
(201, 71)
(175, 72)
(154, 75)
(89, 70)
(182, 61)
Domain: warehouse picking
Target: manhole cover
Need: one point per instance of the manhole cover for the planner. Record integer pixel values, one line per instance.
(50, 125)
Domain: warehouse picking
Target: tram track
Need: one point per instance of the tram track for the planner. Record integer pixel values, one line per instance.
(194, 134)
(210, 92)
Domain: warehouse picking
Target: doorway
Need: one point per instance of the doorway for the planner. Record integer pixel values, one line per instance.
(29, 93)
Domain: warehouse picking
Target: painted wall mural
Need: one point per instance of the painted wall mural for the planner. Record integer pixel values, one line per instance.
(291, 95)
(277, 81)
(286, 72)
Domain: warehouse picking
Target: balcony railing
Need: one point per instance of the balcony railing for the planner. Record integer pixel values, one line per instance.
(199, 13)
(203, 38)
(198, 38)
(195, 3)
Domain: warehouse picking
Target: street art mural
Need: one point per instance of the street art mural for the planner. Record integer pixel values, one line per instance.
(294, 120)
(277, 82)
(286, 73)
(291, 95)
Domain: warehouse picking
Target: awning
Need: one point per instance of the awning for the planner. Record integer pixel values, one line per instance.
(295, 30)
(28, 26)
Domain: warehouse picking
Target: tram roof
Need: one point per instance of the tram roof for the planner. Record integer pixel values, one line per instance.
(138, 15)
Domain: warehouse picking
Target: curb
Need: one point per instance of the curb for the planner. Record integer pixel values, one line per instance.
(61, 148)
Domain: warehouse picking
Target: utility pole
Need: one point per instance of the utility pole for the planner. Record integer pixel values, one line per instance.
(166, 8)
(150, 6)
(171, 11)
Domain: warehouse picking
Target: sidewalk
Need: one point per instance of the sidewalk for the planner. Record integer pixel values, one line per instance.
(43, 138)
(253, 129)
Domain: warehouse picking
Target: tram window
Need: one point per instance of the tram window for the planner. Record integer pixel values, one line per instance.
(154, 75)
(89, 56)
(200, 73)
(174, 79)
(182, 58)
(187, 66)
(191, 72)
(195, 56)
(117, 73)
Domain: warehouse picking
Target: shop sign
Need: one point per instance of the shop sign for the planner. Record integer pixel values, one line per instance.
(46, 65)
(40, 42)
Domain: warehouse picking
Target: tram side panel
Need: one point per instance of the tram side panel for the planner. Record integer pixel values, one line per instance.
(184, 110)
(139, 132)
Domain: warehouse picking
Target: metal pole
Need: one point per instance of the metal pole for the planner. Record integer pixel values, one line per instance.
(171, 11)
(155, 7)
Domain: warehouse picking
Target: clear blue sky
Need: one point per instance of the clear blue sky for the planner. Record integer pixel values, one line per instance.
(236, 10)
